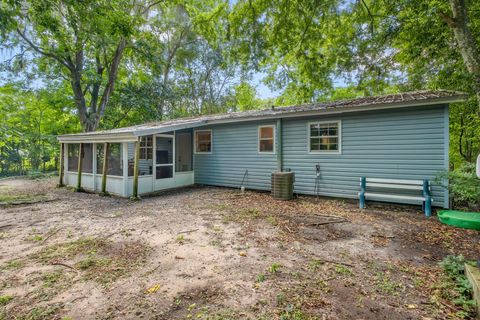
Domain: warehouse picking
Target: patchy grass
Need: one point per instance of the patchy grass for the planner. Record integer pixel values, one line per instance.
(15, 264)
(9, 198)
(343, 270)
(39, 313)
(386, 285)
(98, 259)
(4, 299)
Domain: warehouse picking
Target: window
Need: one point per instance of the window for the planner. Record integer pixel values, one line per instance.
(325, 136)
(266, 139)
(203, 141)
(146, 148)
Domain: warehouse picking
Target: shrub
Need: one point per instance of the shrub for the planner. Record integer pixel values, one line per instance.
(463, 185)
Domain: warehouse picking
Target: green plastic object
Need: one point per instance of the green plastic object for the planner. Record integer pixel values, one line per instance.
(461, 219)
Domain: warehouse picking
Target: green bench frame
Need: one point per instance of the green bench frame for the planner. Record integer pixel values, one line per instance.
(396, 184)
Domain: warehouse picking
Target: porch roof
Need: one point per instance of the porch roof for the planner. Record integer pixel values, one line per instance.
(407, 99)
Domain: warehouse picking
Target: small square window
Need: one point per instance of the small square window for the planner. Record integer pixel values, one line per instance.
(203, 141)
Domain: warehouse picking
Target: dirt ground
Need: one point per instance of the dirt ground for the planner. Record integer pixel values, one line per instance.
(215, 253)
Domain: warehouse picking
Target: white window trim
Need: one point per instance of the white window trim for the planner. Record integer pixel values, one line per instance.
(339, 137)
(274, 139)
(195, 141)
(145, 147)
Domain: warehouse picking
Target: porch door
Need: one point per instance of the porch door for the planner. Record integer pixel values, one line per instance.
(164, 164)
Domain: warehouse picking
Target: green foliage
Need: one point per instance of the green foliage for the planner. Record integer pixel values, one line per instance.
(463, 185)
(274, 267)
(4, 299)
(455, 286)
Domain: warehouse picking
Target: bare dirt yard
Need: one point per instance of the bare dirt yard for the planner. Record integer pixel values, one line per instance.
(215, 253)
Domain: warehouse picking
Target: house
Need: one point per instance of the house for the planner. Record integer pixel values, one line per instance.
(328, 145)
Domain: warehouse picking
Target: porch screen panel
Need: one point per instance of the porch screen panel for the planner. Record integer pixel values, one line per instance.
(87, 158)
(73, 156)
(114, 164)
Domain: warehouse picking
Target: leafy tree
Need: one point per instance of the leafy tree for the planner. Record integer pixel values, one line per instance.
(84, 42)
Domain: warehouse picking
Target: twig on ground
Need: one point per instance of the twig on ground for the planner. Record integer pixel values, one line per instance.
(188, 231)
(5, 226)
(18, 203)
(382, 236)
(106, 217)
(34, 222)
(51, 234)
(58, 263)
(326, 222)
(336, 262)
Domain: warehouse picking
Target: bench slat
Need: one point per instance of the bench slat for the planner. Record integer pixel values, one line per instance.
(395, 181)
(394, 186)
(393, 196)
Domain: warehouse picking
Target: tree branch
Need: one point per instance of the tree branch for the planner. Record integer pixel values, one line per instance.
(41, 51)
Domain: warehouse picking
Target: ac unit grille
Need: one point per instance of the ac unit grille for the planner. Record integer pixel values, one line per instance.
(282, 185)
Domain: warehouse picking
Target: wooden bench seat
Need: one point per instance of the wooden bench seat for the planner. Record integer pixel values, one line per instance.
(390, 190)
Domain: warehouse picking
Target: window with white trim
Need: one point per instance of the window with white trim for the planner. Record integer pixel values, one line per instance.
(324, 136)
(146, 148)
(203, 141)
(266, 139)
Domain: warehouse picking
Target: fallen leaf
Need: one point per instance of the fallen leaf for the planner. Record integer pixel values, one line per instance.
(153, 289)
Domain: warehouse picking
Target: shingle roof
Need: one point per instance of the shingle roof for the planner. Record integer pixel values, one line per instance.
(400, 99)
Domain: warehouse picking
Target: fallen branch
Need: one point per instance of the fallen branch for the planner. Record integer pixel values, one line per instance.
(327, 222)
(382, 236)
(17, 203)
(5, 226)
(335, 262)
(188, 231)
(57, 263)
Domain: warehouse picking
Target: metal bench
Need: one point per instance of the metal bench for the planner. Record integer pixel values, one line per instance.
(388, 190)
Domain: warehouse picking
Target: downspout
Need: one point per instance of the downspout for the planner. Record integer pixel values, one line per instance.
(279, 133)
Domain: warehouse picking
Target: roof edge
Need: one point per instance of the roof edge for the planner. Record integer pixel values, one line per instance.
(132, 136)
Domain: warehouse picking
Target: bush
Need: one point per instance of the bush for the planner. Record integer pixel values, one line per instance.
(463, 185)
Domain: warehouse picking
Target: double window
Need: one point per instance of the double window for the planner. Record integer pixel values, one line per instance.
(203, 141)
(266, 139)
(324, 136)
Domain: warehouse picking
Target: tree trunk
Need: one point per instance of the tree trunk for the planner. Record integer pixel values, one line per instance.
(459, 23)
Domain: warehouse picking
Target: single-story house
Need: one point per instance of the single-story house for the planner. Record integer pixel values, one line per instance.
(329, 146)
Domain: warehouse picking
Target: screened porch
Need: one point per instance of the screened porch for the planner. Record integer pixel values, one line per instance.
(129, 168)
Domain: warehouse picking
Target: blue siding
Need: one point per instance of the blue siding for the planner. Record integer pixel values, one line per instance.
(406, 143)
(235, 150)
